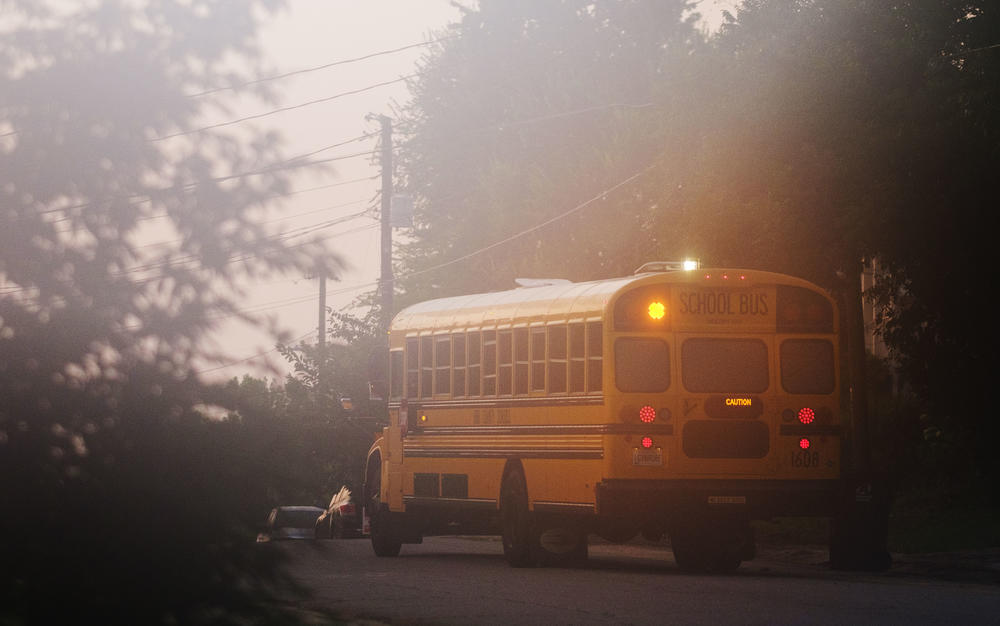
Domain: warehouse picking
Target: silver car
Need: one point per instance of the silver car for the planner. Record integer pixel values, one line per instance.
(291, 522)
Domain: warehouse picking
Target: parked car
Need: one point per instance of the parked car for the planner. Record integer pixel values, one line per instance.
(290, 522)
(342, 519)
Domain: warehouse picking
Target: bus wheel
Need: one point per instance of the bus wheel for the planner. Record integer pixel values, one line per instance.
(385, 538)
(515, 519)
(712, 546)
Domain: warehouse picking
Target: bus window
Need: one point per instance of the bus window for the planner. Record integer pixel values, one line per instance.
(505, 362)
(474, 364)
(426, 367)
(557, 359)
(396, 374)
(595, 351)
(724, 365)
(458, 359)
(489, 362)
(538, 358)
(577, 364)
(442, 364)
(807, 366)
(642, 365)
(412, 368)
(521, 363)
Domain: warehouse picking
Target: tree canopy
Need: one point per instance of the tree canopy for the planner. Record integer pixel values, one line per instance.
(127, 230)
(577, 139)
(531, 109)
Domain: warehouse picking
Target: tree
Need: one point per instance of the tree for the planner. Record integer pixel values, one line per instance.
(340, 368)
(354, 345)
(121, 500)
(861, 129)
(308, 456)
(801, 138)
(528, 111)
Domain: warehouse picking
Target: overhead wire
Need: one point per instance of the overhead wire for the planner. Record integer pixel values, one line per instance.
(250, 358)
(290, 163)
(283, 109)
(318, 67)
(191, 258)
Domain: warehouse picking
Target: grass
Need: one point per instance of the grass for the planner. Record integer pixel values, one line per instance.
(939, 522)
(918, 523)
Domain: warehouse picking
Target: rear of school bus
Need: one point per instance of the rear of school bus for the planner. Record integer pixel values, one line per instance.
(732, 377)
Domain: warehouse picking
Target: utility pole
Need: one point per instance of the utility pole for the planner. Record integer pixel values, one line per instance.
(321, 342)
(861, 459)
(859, 533)
(386, 280)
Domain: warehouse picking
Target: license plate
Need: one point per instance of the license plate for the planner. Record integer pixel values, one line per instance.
(647, 457)
(727, 499)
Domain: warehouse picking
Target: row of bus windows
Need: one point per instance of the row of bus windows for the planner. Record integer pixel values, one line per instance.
(568, 359)
(565, 358)
(724, 365)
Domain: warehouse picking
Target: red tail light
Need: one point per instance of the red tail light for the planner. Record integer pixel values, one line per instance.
(647, 414)
(807, 415)
(804, 443)
(647, 442)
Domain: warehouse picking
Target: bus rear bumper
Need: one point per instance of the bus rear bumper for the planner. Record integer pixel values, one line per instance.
(756, 499)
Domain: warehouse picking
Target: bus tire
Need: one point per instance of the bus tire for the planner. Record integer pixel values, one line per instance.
(384, 535)
(711, 546)
(515, 520)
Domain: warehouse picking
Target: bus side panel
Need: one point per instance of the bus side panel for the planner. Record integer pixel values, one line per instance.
(479, 478)
(561, 481)
(392, 469)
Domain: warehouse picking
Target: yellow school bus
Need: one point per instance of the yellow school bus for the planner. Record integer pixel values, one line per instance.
(680, 403)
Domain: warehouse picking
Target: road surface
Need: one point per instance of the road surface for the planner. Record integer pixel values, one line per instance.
(455, 580)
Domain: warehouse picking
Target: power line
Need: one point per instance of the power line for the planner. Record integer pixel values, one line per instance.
(285, 108)
(318, 67)
(284, 236)
(277, 219)
(291, 163)
(280, 237)
(555, 116)
(529, 230)
(540, 225)
(250, 358)
(137, 199)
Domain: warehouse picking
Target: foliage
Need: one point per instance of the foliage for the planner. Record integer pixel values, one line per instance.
(339, 368)
(801, 137)
(531, 109)
(867, 130)
(121, 502)
(327, 437)
(308, 455)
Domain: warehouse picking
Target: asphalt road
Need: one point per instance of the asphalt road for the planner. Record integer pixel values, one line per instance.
(453, 580)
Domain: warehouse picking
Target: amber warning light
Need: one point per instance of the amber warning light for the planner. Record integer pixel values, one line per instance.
(657, 310)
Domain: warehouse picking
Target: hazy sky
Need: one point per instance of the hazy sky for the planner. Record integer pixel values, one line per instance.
(308, 34)
(313, 33)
